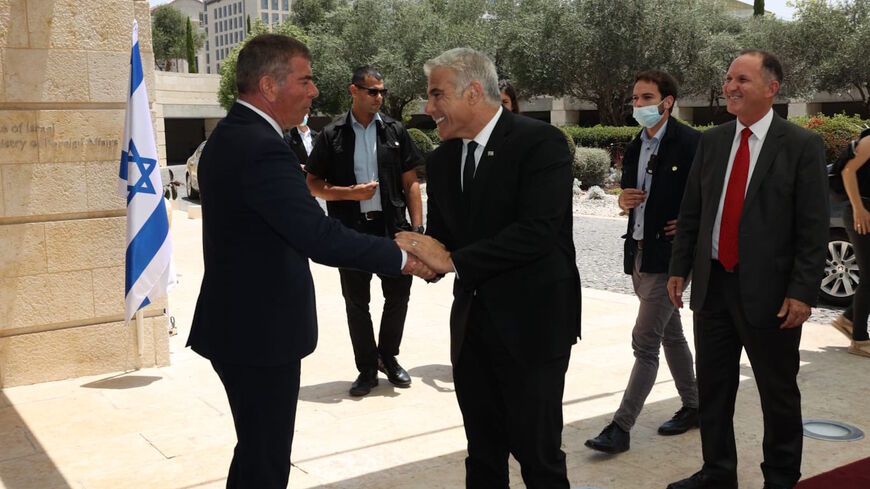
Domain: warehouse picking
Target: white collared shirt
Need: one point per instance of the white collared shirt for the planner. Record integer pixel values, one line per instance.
(756, 140)
(307, 141)
(264, 116)
(481, 139)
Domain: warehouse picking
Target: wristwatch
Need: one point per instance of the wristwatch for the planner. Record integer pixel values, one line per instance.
(420, 229)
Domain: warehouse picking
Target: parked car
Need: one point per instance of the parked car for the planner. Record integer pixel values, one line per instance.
(841, 268)
(190, 179)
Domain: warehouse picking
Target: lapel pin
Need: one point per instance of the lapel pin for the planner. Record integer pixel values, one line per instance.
(490, 153)
(396, 143)
(674, 168)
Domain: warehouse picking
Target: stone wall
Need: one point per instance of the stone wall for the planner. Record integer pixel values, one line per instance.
(64, 68)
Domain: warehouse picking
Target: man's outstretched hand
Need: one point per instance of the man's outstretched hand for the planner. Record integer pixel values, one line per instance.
(427, 249)
(415, 266)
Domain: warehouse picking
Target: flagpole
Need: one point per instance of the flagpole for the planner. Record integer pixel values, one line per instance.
(140, 332)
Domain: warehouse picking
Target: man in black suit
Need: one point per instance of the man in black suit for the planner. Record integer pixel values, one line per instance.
(752, 230)
(654, 173)
(255, 316)
(499, 199)
(364, 166)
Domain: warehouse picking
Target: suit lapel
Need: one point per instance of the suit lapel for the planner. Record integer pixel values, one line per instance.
(453, 169)
(487, 167)
(720, 152)
(769, 149)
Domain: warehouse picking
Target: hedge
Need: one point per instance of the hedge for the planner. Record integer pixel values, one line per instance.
(835, 130)
(423, 142)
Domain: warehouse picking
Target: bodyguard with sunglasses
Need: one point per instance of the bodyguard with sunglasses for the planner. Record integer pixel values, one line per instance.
(363, 165)
(654, 173)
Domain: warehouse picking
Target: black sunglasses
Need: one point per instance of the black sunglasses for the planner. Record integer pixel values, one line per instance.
(373, 91)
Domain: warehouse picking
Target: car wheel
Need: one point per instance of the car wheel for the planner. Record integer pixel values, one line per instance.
(191, 192)
(841, 270)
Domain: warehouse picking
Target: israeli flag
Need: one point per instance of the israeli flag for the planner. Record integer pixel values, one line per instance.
(150, 272)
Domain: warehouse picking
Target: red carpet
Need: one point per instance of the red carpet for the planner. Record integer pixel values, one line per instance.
(856, 475)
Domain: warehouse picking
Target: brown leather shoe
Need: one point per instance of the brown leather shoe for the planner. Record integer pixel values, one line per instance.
(843, 325)
(861, 348)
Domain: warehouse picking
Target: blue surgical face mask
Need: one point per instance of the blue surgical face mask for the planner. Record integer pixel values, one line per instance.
(649, 115)
(304, 120)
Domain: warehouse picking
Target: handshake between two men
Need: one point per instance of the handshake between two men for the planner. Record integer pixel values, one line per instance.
(427, 257)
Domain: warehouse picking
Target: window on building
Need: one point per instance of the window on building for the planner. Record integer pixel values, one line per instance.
(218, 67)
(285, 5)
(275, 18)
(207, 58)
(235, 8)
(264, 16)
(264, 4)
(274, 4)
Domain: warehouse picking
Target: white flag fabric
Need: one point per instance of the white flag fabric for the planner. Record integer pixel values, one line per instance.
(150, 272)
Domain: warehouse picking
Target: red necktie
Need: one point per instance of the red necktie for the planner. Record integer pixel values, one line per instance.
(730, 225)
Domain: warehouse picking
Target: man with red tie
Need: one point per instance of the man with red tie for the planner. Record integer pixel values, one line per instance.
(752, 230)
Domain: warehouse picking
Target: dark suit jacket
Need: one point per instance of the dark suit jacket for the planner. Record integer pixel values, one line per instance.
(675, 154)
(294, 139)
(511, 239)
(783, 227)
(260, 225)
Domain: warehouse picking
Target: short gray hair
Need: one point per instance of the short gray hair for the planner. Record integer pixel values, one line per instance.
(468, 65)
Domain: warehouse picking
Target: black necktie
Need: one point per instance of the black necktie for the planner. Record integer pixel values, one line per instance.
(468, 171)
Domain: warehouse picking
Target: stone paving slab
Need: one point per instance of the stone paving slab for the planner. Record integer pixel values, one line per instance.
(171, 428)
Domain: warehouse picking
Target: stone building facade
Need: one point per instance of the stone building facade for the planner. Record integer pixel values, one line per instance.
(64, 68)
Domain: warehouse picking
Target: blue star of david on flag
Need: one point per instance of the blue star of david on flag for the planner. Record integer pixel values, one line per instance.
(149, 269)
(145, 166)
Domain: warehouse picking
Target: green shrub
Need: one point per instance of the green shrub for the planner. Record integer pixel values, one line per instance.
(422, 141)
(836, 131)
(601, 136)
(591, 166)
(572, 146)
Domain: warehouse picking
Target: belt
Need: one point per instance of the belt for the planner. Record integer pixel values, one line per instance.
(371, 215)
(639, 244)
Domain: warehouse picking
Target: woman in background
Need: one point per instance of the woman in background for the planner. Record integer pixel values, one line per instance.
(508, 96)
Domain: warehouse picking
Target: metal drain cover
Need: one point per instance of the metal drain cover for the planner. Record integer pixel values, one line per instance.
(828, 430)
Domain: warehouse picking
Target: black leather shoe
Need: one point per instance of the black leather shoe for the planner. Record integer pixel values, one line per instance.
(612, 439)
(395, 373)
(365, 381)
(700, 480)
(684, 420)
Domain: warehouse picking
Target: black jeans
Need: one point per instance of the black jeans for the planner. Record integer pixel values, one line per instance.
(858, 311)
(356, 289)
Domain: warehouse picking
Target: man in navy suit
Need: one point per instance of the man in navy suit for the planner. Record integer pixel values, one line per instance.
(499, 191)
(255, 316)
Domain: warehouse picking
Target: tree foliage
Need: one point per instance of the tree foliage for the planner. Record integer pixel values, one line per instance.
(168, 29)
(189, 48)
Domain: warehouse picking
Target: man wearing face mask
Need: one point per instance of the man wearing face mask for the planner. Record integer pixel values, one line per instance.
(654, 173)
(301, 140)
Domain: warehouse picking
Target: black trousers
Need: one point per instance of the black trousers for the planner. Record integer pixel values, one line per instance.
(721, 332)
(356, 289)
(263, 403)
(509, 407)
(859, 310)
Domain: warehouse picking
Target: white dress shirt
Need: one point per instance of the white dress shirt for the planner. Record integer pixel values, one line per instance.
(756, 140)
(481, 139)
